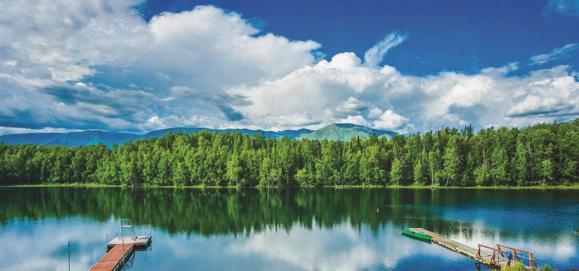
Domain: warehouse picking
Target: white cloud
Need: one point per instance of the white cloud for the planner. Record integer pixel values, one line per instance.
(98, 64)
(61, 40)
(110, 45)
(216, 49)
(344, 89)
(12, 130)
(390, 121)
(557, 53)
(554, 93)
(324, 92)
(376, 54)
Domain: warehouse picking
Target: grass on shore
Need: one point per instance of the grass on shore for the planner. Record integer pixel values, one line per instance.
(412, 186)
(518, 266)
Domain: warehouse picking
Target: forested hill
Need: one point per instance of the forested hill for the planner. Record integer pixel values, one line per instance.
(345, 131)
(544, 154)
(85, 138)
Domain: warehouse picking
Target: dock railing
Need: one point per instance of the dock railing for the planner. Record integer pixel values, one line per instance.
(493, 256)
(497, 257)
(518, 254)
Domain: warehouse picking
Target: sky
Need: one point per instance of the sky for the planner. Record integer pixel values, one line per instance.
(405, 66)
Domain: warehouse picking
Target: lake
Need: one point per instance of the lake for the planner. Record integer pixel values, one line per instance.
(282, 229)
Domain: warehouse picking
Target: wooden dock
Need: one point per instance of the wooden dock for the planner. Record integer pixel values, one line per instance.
(120, 249)
(138, 241)
(490, 256)
(115, 258)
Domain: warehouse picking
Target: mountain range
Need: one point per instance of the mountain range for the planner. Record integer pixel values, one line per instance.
(341, 131)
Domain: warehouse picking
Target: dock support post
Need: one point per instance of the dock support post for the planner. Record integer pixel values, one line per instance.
(68, 248)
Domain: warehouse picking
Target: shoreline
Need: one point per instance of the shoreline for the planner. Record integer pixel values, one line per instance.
(97, 185)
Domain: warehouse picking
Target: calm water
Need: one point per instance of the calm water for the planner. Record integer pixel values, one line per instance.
(283, 229)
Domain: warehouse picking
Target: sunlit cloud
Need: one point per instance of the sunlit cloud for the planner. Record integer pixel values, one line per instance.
(557, 53)
(99, 65)
(376, 54)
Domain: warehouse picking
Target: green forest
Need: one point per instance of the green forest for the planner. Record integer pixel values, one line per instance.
(544, 154)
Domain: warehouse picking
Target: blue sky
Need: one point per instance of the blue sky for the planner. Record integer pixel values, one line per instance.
(463, 36)
(406, 66)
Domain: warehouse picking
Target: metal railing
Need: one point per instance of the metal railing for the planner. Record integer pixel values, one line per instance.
(498, 253)
(493, 256)
(518, 254)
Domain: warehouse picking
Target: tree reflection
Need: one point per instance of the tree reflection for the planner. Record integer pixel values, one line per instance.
(241, 211)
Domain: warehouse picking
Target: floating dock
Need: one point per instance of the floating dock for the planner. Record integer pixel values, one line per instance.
(494, 257)
(115, 258)
(138, 241)
(120, 250)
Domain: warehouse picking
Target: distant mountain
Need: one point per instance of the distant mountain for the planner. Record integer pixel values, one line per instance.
(71, 139)
(84, 138)
(345, 131)
(268, 134)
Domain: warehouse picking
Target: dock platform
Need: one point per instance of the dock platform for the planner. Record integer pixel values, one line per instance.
(138, 241)
(115, 258)
(119, 251)
(490, 256)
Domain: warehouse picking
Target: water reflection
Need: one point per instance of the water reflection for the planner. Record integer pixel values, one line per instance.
(338, 248)
(287, 229)
(43, 245)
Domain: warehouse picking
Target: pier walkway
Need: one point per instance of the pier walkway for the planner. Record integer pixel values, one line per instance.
(115, 258)
(496, 257)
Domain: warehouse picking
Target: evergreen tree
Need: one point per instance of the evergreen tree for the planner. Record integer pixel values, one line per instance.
(396, 172)
(521, 162)
(499, 166)
(234, 173)
(452, 161)
(264, 172)
(540, 154)
(546, 171)
(418, 172)
(179, 174)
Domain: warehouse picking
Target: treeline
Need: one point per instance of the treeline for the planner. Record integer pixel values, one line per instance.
(544, 154)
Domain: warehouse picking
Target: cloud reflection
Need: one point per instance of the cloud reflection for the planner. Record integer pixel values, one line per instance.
(42, 245)
(338, 248)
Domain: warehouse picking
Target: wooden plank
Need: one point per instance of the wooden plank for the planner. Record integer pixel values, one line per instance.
(114, 258)
(464, 249)
(139, 242)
